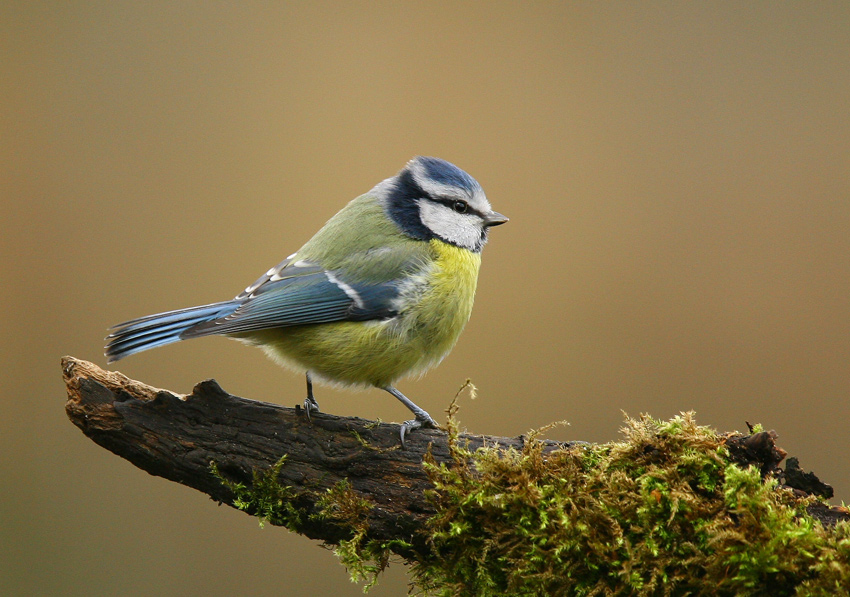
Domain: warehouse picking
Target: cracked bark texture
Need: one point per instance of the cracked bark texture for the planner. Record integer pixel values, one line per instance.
(177, 437)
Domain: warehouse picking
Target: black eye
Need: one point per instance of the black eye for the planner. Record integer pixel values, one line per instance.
(460, 206)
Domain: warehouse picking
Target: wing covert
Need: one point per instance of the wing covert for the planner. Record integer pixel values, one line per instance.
(303, 295)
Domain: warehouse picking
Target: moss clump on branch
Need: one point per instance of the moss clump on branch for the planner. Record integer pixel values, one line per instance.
(271, 502)
(265, 498)
(363, 557)
(665, 511)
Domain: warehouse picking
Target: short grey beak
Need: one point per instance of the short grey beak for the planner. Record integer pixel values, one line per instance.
(494, 218)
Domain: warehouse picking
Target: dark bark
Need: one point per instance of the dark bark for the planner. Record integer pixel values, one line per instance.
(177, 437)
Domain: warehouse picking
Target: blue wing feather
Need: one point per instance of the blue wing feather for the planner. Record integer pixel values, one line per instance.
(307, 298)
(290, 294)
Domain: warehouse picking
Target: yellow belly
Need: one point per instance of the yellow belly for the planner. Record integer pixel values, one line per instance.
(380, 352)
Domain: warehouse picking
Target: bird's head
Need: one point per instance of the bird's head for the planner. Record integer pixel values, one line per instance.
(432, 198)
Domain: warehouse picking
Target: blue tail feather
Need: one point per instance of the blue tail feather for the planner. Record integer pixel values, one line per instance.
(152, 331)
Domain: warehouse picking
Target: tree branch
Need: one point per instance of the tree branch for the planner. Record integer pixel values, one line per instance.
(178, 437)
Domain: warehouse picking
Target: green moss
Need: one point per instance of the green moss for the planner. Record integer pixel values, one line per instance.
(364, 558)
(274, 503)
(662, 512)
(265, 498)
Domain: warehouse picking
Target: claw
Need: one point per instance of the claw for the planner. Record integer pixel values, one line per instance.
(423, 419)
(416, 423)
(310, 405)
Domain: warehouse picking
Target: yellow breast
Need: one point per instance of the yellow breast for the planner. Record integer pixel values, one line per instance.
(440, 315)
(434, 311)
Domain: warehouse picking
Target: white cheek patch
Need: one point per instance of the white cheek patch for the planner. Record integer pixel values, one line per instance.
(463, 230)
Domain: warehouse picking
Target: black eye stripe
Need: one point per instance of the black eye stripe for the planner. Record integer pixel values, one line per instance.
(450, 203)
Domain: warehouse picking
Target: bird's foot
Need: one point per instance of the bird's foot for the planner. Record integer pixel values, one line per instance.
(310, 406)
(422, 420)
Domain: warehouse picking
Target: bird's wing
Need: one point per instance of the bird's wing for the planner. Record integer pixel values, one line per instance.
(275, 271)
(300, 292)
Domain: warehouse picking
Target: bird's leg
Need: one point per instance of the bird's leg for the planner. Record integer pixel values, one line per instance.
(310, 404)
(423, 419)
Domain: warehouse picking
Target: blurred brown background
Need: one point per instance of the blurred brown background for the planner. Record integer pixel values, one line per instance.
(676, 175)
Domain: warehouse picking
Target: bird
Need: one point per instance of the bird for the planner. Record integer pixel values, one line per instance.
(381, 292)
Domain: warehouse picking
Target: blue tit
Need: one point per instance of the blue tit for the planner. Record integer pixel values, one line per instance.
(381, 292)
